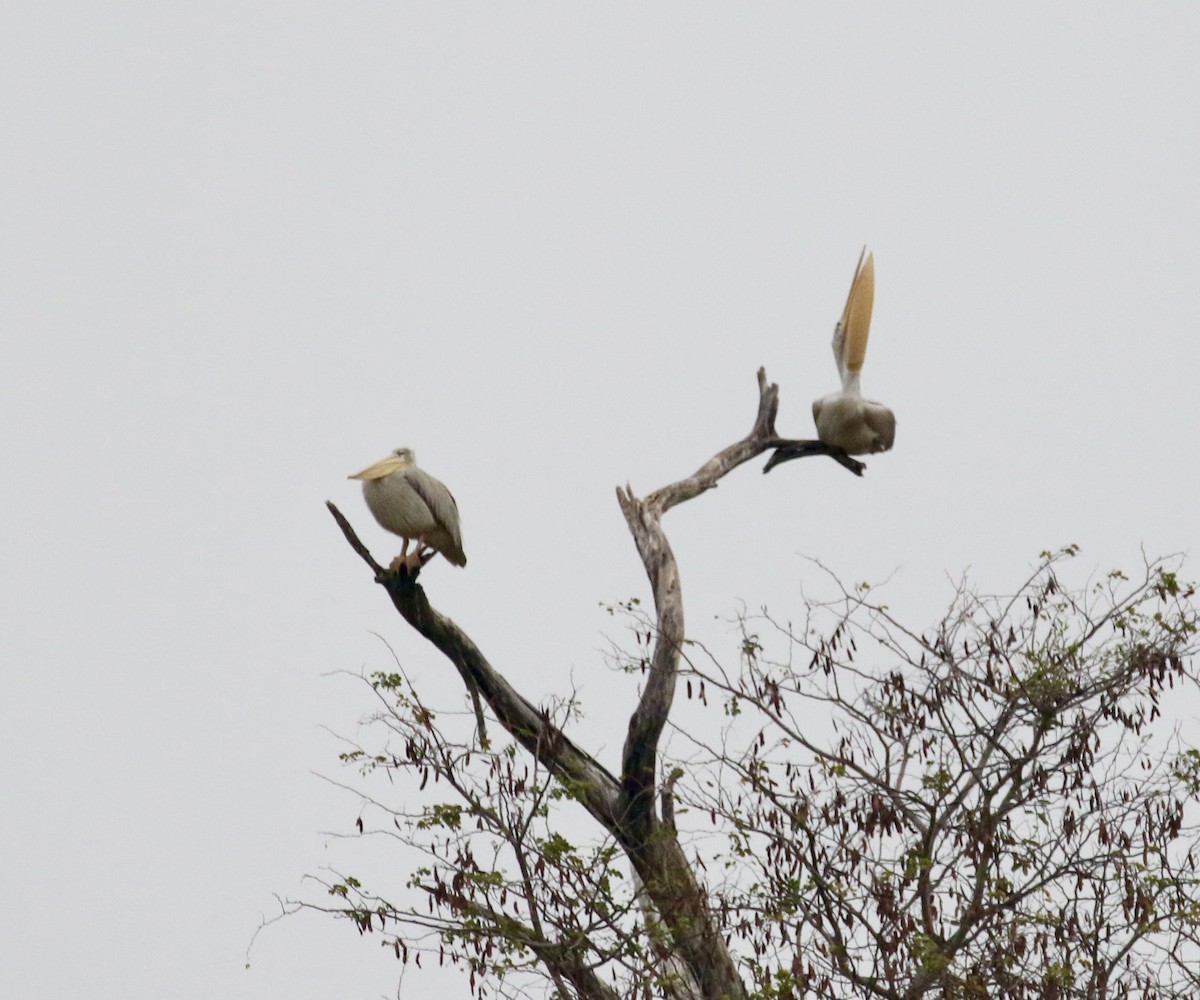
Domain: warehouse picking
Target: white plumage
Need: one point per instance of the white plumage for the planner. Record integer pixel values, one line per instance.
(409, 502)
(845, 419)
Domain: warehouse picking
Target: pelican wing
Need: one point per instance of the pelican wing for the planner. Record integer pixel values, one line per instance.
(883, 422)
(856, 317)
(441, 504)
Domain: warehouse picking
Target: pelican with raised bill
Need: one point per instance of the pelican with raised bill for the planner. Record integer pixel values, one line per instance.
(409, 502)
(844, 419)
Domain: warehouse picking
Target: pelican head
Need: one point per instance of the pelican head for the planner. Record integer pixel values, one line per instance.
(400, 458)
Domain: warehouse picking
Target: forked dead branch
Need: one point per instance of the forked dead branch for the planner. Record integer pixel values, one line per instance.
(625, 806)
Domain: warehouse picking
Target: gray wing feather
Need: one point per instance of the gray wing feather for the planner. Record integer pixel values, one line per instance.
(440, 501)
(883, 422)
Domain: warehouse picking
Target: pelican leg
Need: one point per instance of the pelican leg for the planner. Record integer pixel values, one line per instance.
(401, 561)
(415, 560)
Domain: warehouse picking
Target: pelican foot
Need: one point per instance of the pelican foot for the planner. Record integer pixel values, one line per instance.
(409, 564)
(421, 556)
(402, 564)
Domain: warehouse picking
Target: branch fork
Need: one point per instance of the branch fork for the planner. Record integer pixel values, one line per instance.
(626, 805)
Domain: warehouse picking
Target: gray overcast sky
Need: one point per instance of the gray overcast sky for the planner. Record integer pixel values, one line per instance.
(249, 247)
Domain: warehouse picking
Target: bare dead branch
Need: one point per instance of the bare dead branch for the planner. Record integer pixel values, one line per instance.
(644, 520)
(626, 808)
(407, 576)
(786, 450)
(668, 877)
(353, 539)
(595, 787)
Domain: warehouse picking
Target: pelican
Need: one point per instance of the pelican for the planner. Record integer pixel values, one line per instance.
(409, 502)
(844, 419)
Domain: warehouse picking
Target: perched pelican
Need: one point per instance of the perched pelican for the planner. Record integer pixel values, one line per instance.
(409, 502)
(844, 419)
